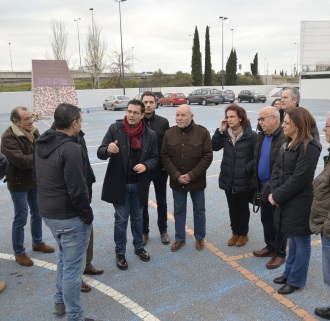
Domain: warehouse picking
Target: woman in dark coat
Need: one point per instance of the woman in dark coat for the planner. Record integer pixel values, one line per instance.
(237, 140)
(292, 191)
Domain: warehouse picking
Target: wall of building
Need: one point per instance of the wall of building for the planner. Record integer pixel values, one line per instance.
(315, 85)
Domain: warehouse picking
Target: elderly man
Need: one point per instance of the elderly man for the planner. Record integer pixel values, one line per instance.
(320, 218)
(18, 144)
(269, 142)
(158, 176)
(186, 154)
(131, 148)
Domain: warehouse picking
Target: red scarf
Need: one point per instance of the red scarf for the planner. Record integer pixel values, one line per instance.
(134, 133)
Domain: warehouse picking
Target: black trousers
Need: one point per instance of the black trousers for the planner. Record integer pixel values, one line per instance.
(239, 212)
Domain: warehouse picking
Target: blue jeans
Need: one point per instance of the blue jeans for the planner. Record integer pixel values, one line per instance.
(180, 214)
(22, 201)
(159, 179)
(72, 237)
(326, 261)
(297, 263)
(133, 209)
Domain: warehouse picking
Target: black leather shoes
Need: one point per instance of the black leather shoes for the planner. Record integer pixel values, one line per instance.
(93, 271)
(143, 254)
(121, 262)
(287, 289)
(280, 280)
(323, 313)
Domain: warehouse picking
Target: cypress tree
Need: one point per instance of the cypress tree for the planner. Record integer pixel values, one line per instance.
(196, 62)
(254, 66)
(231, 69)
(208, 64)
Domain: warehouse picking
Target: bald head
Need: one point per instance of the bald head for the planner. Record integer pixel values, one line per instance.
(183, 116)
(269, 119)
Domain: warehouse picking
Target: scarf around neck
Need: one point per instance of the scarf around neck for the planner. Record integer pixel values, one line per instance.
(235, 135)
(134, 133)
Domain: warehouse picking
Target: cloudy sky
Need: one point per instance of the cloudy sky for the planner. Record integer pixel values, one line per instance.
(157, 32)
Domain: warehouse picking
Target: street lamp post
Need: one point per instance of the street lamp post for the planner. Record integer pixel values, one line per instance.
(78, 40)
(222, 71)
(121, 45)
(297, 43)
(11, 60)
(232, 38)
(133, 60)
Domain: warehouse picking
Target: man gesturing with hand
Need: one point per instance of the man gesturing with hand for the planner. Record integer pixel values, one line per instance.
(131, 148)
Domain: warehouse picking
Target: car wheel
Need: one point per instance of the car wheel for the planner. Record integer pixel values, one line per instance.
(239, 99)
(188, 102)
(112, 107)
(171, 104)
(105, 107)
(252, 100)
(204, 102)
(217, 103)
(160, 104)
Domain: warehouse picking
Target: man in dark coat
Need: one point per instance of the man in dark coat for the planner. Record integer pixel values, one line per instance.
(18, 144)
(158, 176)
(131, 148)
(186, 154)
(269, 142)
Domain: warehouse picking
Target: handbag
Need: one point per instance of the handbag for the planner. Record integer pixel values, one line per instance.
(255, 200)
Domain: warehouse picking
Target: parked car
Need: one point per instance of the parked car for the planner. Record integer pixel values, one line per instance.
(227, 96)
(158, 95)
(205, 96)
(116, 102)
(173, 99)
(251, 96)
(145, 74)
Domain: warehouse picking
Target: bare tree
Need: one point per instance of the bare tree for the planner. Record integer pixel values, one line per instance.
(115, 62)
(59, 39)
(95, 52)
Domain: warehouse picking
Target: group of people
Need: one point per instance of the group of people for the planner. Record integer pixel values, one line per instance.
(52, 175)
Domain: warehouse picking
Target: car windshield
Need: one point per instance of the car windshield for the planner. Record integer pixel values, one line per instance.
(180, 95)
(215, 91)
(255, 92)
(229, 92)
(122, 98)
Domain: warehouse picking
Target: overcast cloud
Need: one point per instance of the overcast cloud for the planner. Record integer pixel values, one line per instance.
(159, 30)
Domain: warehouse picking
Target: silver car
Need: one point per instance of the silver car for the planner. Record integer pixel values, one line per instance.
(116, 102)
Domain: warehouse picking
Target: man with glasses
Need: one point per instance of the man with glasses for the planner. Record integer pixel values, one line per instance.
(158, 176)
(131, 148)
(18, 144)
(269, 142)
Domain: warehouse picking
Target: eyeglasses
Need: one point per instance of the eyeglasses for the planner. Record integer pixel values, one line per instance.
(131, 112)
(263, 118)
(327, 126)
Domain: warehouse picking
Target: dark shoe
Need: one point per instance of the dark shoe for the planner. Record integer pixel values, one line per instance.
(263, 253)
(232, 241)
(280, 280)
(145, 239)
(287, 289)
(165, 238)
(323, 312)
(143, 254)
(23, 259)
(88, 319)
(176, 246)
(85, 288)
(42, 247)
(93, 271)
(242, 240)
(59, 308)
(199, 245)
(275, 262)
(121, 262)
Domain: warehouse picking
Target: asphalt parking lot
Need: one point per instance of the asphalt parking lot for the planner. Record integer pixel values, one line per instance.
(219, 283)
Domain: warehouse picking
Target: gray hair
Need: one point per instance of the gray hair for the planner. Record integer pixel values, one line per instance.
(15, 116)
(295, 94)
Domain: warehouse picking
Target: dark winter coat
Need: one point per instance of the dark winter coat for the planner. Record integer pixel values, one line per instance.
(61, 171)
(291, 187)
(236, 171)
(19, 151)
(187, 151)
(320, 214)
(277, 142)
(114, 185)
(4, 165)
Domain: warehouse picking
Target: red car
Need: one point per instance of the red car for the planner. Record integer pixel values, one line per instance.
(173, 99)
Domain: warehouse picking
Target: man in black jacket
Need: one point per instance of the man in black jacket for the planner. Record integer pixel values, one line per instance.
(158, 176)
(269, 142)
(63, 201)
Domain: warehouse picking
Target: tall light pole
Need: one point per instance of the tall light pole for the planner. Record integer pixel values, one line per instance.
(121, 44)
(11, 60)
(222, 71)
(78, 41)
(133, 60)
(297, 43)
(91, 9)
(232, 39)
